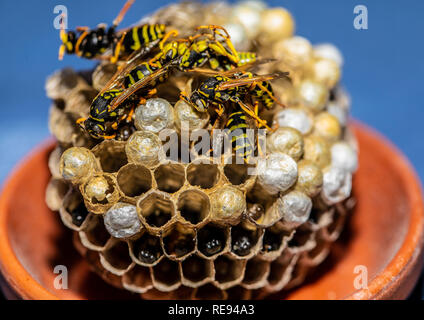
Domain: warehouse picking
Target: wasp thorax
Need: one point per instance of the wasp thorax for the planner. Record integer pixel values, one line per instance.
(77, 164)
(144, 148)
(122, 221)
(277, 172)
(156, 115)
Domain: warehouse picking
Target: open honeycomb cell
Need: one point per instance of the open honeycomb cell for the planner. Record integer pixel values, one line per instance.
(166, 275)
(95, 236)
(256, 273)
(203, 175)
(193, 206)
(73, 211)
(196, 271)
(179, 242)
(245, 241)
(134, 180)
(137, 279)
(170, 177)
(228, 271)
(146, 250)
(111, 155)
(156, 211)
(115, 257)
(212, 240)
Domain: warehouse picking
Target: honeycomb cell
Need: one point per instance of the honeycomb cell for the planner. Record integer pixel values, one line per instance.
(193, 206)
(244, 241)
(134, 180)
(237, 174)
(203, 175)
(155, 210)
(212, 240)
(100, 192)
(165, 275)
(228, 271)
(256, 273)
(115, 257)
(179, 241)
(228, 203)
(95, 236)
(238, 293)
(303, 240)
(196, 271)
(317, 255)
(170, 177)
(73, 211)
(55, 193)
(272, 241)
(209, 292)
(137, 280)
(333, 230)
(111, 154)
(146, 250)
(280, 272)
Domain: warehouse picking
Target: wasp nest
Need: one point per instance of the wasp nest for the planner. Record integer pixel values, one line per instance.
(193, 229)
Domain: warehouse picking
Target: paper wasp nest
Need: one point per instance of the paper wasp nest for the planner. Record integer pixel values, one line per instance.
(168, 229)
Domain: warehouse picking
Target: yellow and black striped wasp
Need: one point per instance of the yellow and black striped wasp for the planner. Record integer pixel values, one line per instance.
(93, 44)
(116, 102)
(221, 89)
(195, 51)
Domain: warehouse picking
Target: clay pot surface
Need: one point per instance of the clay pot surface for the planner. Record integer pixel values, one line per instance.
(385, 234)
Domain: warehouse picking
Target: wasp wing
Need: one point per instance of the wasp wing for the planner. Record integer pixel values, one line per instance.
(238, 82)
(233, 71)
(138, 85)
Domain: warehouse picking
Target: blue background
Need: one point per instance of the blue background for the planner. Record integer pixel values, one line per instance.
(383, 65)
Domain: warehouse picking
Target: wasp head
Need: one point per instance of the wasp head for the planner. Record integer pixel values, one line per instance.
(196, 101)
(94, 129)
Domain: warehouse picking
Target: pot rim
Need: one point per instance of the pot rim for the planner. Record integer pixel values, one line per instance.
(402, 262)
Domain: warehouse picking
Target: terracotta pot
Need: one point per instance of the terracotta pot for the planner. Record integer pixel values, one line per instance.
(385, 234)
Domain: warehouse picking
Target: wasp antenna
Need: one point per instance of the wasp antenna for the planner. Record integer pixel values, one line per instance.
(122, 13)
(63, 36)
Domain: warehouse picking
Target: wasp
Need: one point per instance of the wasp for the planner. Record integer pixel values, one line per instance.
(195, 51)
(93, 44)
(115, 104)
(219, 89)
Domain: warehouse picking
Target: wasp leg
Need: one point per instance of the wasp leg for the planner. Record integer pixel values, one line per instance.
(122, 13)
(77, 45)
(82, 28)
(115, 57)
(251, 113)
(271, 95)
(234, 54)
(80, 120)
(63, 36)
(114, 125)
(109, 137)
(130, 114)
